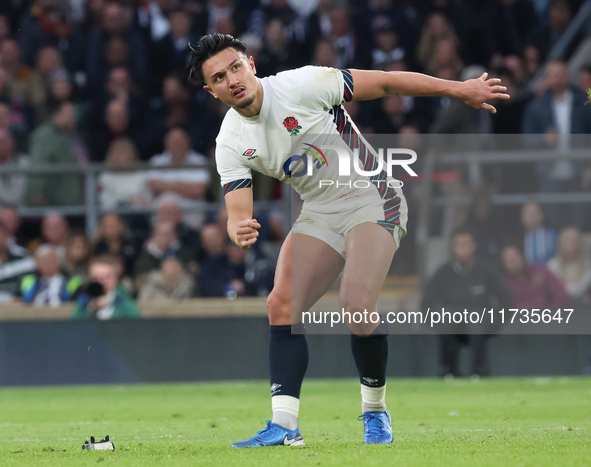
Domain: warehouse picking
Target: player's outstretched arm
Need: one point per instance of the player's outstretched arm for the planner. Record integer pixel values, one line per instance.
(373, 84)
(242, 228)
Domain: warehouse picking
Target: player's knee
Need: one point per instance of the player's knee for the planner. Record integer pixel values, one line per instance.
(358, 308)
(279, 308)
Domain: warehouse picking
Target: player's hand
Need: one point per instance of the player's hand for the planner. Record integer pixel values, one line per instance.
(247, 233)
(476, 92)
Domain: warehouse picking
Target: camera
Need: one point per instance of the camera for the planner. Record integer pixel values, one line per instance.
(94, 290)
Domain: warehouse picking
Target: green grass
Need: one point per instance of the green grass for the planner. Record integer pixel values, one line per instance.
(493, 422)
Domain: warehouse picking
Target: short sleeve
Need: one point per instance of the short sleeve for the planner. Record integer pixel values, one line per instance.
(233, 170)
(314, 86)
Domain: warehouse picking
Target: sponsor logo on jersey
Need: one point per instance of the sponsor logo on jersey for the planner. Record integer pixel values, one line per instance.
(249, 154)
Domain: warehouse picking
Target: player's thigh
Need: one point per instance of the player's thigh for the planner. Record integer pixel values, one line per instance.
(306, 268)
(369, 251)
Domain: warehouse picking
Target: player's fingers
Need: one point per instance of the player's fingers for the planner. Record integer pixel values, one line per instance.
(483, 77)
(248, 243)
(494, 81)
(489, 107)
(498, 88)
(248, 235)
(254, 224)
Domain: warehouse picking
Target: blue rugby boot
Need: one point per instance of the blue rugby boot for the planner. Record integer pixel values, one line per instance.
(377, 427)
(273, 435)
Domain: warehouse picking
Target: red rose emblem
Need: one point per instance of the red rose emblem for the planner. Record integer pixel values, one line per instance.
(290, 123)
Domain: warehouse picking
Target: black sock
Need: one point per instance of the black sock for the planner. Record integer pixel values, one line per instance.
(288, 360)
(371, 357)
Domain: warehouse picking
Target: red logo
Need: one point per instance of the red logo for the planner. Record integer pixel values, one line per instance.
(292, 125)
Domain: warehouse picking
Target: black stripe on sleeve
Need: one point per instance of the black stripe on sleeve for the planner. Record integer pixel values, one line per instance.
(244, 183)
(348, 86)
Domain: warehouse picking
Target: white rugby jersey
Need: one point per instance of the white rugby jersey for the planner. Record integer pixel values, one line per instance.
(300, 114)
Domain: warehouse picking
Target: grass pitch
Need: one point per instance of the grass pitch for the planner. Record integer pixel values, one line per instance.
(496, 422)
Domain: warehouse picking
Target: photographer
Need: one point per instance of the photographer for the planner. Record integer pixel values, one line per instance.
(104, 298)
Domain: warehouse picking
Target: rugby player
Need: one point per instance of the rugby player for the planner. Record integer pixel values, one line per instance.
(355, 229)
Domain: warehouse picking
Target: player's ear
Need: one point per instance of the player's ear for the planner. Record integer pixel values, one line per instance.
(252, 66)
(209, 90)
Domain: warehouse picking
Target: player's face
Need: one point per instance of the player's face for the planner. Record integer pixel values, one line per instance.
(230, 77)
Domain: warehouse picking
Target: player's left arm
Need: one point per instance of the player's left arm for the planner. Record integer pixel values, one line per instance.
(373, 84)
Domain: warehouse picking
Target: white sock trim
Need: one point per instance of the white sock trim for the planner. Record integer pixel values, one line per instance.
(288, 404)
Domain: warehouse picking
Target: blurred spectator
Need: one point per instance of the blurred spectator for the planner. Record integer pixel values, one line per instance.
(253, 267)
(177, 108)
(557, 115)
(156, 31)
(19, 74)
(16, 122)
(52, 28)
(345, 41)
(545, 37)
(435, 30)
(112, 302)
(484, 221)
(182, 36)
(445, 55)
(278, 53)
(168, 209)
(56, 142)
(12, 185)
(34, 24)
(163, 240)
(114, 238)
(110, 44)
(60, 91)
(77, 255)
(5, 30)
(465, 283)
(123, 188)
(531, 285)
(12, 267)
(392, 116)
(459, 118)
(507, 25)
(48, 61)
(532, 62)
(510, 111)
(325, 54)
(48, 285)
(279, 9)
(539, 242)
(54, 232)
(253, 44)
(208, 18)
(571, 265)
(190, 184)
(387, 48)
(92, 16)
(11, 221)
(116, 124)
(170, 282)
(218, 278)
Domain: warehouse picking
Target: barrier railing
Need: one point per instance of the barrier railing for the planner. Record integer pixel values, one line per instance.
(92, 210)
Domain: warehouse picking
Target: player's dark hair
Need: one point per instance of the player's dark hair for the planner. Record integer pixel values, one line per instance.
(207, 47)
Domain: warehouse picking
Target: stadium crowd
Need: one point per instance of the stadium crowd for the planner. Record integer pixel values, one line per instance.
(105, 81)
